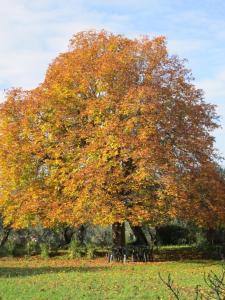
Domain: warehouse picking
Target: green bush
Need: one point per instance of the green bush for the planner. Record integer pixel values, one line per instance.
(173, 234)
(90, 251)
(31, 247)
(45, 250)
(10, 247)
(74, 250)
(201, 240)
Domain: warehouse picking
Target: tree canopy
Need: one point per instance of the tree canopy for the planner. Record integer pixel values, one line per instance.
(116, 132)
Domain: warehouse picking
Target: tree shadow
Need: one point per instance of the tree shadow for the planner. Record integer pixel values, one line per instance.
(210, 262)
(9, 272)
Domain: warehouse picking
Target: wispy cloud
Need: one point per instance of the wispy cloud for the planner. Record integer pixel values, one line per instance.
(186, 47)
(214, 86)
(32, 36)
(214, 89)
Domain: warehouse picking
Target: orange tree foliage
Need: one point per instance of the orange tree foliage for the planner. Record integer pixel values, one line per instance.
(207, 191)
(114, 133)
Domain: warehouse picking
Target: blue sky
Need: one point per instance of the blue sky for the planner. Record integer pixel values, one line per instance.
(33, 33)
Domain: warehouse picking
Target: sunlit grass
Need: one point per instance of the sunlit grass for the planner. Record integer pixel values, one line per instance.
(36, 278)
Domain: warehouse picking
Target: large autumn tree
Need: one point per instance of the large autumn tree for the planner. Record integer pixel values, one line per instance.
(113, 134)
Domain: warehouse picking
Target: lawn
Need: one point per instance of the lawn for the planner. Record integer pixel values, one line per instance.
(54, 278)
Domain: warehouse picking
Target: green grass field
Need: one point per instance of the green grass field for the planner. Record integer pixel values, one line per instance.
(35, 278)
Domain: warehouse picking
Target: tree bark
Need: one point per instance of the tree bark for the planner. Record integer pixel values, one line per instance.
(81, 234)
(118, 234)
(68, 234)
(139, 235)
(6, 232)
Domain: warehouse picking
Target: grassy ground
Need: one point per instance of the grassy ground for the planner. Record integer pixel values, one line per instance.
(35, 278)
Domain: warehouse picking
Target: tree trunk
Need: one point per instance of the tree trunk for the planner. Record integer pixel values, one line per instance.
(81, 234)
(139, 235)
(6, 232)
(68, 234)
(118, 234)
(210, 236)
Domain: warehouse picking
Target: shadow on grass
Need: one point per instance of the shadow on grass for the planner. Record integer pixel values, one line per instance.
(11, 272)
(209, 262)
(188, 253)
(8, 272)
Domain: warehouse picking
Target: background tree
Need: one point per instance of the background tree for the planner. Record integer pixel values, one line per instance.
(207, 202)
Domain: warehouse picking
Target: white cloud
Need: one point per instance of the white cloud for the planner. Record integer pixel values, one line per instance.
(184, 47)
(214, 87)
(2, 94)
(31, 38)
